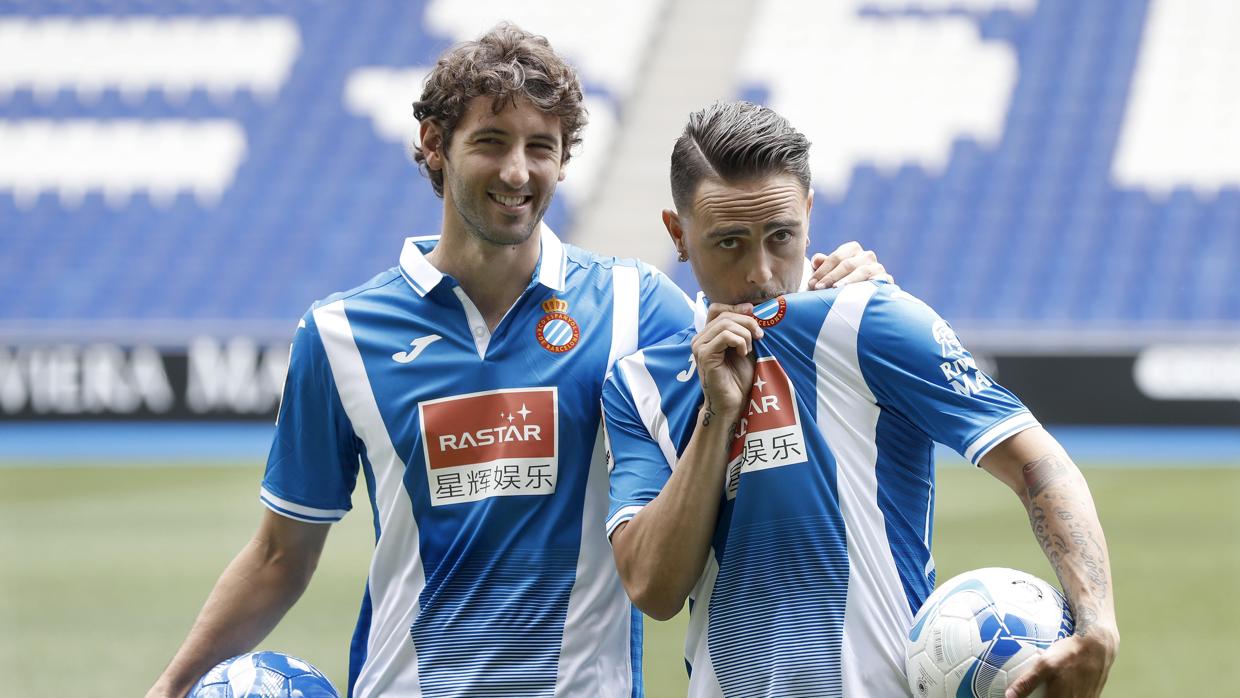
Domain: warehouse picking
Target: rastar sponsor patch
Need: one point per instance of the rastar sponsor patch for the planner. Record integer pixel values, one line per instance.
(490, 444)
(770, 434)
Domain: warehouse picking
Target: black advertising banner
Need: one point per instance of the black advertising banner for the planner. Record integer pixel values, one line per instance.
(210, 379)
(239, 378)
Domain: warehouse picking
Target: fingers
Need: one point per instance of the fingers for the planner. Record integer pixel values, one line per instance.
(739, 314)
(866, 272)
(1027, 682)
(849, 249)
(727, 331)
(842, 266)
(717, 309)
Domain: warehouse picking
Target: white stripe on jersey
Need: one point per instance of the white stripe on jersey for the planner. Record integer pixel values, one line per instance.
(697, 648)
(876, 615)
(396, 574)
(625, 312)
(649, 403)
(598, 605)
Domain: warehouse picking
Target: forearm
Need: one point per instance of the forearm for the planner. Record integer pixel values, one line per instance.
(249, 599)
(661, 551)
(1065, 523)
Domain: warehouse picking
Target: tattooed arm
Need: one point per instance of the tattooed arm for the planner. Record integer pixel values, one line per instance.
(1065, 523)
(661, 551)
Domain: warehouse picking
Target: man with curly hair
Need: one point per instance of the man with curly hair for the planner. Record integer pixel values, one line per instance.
(464, 385)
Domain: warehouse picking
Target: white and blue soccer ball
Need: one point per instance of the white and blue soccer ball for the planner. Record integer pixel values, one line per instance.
(263, 675)
(980, 630)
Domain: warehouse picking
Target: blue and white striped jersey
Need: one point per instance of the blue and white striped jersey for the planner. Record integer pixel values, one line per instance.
(483, 457)
(821, 554)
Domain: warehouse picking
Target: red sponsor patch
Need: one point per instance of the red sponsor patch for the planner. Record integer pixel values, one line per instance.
(770, 434)
(771, 405)
(487, 427)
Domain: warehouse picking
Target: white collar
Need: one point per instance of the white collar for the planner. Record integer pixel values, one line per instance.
(423, 276)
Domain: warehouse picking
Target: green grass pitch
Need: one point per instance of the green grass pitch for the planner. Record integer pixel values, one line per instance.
(103, 569)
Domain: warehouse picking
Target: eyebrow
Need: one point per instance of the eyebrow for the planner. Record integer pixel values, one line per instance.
(732, 230)
(496, 131)
(488, 131)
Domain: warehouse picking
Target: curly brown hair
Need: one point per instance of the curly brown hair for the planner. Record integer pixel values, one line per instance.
(505, 64)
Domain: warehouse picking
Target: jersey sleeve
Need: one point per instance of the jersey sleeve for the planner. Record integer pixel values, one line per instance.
(916, 366)
(637, 465)
(665, 309)
(313, 463)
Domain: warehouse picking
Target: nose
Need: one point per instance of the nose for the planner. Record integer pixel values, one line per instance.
(759, 272)
(514, 171)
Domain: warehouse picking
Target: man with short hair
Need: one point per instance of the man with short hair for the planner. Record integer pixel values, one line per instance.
(464, 386)
(774, 462)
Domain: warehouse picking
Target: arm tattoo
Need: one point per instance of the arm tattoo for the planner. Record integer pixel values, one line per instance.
(1044, 472)
(710, 412)
(1071, 542)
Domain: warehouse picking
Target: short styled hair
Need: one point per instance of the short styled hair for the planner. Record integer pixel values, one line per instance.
(505, 64)
(736, 142)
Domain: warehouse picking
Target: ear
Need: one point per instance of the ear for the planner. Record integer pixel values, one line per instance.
(431, 136)
(563, 171)
(809, 206)
(671, 221)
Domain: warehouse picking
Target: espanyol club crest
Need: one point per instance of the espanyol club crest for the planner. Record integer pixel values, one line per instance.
(556, 331)
(770, 312)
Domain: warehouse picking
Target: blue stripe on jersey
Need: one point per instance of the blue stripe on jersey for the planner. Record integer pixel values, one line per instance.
(789, 574)
(905, 473)
(473, 641)
(359, 645)
(361, 638)
(636, 638)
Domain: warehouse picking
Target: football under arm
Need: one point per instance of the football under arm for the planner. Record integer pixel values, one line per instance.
(254, 592)
(1065, 523)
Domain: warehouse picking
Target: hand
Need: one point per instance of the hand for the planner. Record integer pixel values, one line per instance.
(723, 351)
(1073, 667)
(848, 263)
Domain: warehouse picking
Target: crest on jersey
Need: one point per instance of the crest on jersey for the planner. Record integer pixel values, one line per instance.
(949, 343)
(557, 331)
(770, 312)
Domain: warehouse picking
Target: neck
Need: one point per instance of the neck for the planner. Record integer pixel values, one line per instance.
(493, 276)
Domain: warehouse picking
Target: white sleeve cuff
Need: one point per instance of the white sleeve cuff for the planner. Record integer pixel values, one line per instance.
(299, 512)
(622, 514)
(997, 434)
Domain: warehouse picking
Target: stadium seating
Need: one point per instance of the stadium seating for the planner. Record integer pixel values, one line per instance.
(1032, 209)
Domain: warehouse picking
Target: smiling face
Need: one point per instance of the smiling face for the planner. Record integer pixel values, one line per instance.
(500, 170)
(745, 241)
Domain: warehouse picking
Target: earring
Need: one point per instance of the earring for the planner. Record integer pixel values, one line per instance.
(682, 256)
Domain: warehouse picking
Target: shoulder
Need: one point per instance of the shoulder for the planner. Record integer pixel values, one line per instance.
(670, 355)
(377, 285)
(582, 259)
(891, 312)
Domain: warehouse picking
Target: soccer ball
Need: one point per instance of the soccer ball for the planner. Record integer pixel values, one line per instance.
(980, 630)
(263, 675)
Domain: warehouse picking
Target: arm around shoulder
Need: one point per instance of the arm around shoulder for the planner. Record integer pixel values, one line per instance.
(249, 599)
